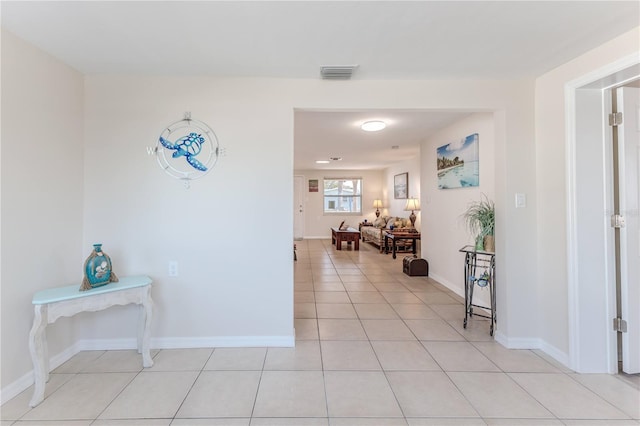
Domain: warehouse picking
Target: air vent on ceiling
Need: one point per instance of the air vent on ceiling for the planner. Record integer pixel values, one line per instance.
(342, 72)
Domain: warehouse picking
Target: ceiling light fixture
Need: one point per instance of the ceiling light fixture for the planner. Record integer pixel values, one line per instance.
(373, 126)
(322, 161)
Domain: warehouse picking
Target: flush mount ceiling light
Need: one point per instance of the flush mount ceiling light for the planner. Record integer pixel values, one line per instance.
(322, 161)
(373, 126)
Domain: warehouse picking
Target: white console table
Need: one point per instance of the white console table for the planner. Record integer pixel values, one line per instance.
(54, 303)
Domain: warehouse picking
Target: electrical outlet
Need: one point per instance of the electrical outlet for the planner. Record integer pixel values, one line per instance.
(173, 268)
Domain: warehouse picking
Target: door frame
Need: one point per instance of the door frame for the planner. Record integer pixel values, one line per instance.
(298, 197)
(628, 153)
(591, 308)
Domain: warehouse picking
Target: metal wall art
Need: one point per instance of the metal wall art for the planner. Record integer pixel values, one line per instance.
(187, 149)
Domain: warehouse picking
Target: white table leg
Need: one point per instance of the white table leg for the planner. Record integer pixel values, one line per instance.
(45, 345)
(147, 309)
(37, 347)
(141, 320)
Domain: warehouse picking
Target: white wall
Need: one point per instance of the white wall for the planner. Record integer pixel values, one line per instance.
(395, 207)
(42, 149)
(592, 221)
(144, 219)
(551, 192)
(232, 231)
(377, 184)
(316, 223)
(443, 230)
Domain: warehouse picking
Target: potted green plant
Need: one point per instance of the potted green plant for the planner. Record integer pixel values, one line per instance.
(480, 221)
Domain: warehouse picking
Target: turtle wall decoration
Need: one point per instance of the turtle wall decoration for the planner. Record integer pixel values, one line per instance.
(187, 149)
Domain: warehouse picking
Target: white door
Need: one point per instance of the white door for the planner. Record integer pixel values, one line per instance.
(298, 207)
(628, 102)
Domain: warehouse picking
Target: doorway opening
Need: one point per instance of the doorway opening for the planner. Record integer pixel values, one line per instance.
(593, 306)
(625, 128)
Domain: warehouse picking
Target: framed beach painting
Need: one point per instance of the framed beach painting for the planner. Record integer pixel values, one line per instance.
(458, 163)
(401, 185)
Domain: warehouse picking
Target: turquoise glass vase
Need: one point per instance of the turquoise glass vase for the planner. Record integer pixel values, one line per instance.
(97, 269)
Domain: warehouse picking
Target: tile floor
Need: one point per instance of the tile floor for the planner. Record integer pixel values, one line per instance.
(373, 347)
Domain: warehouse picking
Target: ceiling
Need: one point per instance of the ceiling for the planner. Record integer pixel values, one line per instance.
(292, 39)
(320, 135)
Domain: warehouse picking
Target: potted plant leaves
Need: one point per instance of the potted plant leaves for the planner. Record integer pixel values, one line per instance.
(480, 221)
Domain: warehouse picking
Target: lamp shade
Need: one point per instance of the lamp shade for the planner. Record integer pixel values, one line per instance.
(377, 204)
(412, 204)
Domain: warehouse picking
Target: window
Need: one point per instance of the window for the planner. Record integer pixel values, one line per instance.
(343, 196)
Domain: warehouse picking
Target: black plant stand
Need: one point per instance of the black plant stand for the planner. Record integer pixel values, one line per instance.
(474, 260)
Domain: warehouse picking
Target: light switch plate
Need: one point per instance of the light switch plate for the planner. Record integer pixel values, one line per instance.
(521, 200)
(173, 268)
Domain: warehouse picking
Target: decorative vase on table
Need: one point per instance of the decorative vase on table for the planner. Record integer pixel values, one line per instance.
(97, 269)
(489, 243)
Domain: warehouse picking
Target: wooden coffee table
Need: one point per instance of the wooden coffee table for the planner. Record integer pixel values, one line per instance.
(396, 236)
(349, 235)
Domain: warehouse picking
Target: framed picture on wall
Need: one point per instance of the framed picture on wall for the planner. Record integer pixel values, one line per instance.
(458, 163)
(401, 186)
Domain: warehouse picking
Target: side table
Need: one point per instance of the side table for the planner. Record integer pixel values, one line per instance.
(396, 236)
(53, 303)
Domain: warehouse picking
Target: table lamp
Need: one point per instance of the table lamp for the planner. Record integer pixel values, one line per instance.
(377, 204)
(412, 204)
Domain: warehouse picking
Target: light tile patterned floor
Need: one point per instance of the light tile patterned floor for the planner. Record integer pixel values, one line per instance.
(374, 347)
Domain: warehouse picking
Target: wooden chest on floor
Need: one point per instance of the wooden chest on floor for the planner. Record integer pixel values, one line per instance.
(415, 267)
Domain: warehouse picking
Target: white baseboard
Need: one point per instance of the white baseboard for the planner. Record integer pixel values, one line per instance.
(107, 344)
(223, 342)
(453, 288)
(517, 343)
(513, 343)
(533, 343)
(322, 237)
(479, 297)
(13, 389)
(555, 353)
(190, 343)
